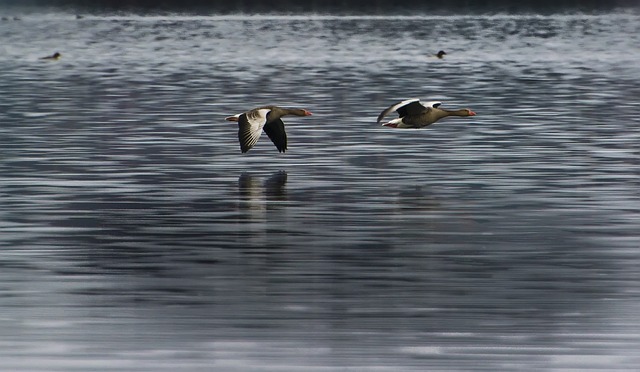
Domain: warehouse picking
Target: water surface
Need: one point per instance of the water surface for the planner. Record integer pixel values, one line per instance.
(135, 236)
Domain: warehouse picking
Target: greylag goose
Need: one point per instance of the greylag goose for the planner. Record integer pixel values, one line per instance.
(441, 54)
(55, 56)
(414, 114)
(267, 118)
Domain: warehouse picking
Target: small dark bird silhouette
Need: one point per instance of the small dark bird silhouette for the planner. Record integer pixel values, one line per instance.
(441, 54)
(55, 56)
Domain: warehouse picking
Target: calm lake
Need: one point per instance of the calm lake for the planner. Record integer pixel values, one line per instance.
(135, 236)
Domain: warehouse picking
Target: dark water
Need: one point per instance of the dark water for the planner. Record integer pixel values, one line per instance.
(134, 235)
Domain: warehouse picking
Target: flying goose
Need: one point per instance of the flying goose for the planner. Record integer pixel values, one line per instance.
(267, 118)
(414, 114)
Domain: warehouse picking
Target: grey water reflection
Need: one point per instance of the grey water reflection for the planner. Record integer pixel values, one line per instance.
(254, 190)
(135, 236)
(258, 198)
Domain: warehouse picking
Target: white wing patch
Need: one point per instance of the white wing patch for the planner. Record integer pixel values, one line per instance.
(403, 103)
(393, 108)
(250, 131)
(433, 104)
(257, 119)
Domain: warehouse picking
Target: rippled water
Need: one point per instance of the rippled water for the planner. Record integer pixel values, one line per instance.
(135, 236)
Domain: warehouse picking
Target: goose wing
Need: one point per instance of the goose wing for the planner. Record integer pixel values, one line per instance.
(433, 104)
(250, 126)
(275, 130)
(411, 106)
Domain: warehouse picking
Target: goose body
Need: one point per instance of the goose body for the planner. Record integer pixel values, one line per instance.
(55, 56)
(267, 118)
(414, 114)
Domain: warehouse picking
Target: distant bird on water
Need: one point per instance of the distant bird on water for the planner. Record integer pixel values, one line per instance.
(267, 118)
(54, 57)
(414, 114)
(440, 54)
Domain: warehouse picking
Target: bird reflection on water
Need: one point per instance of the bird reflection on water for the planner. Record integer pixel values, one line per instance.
(255, 193)
(258, 199)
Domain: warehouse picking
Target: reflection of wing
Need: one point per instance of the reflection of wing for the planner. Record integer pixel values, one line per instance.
(255, 195)
(411, 106)
(275, 131)
(275, 186)
(250, 126)
(251, 196)
(249, 186)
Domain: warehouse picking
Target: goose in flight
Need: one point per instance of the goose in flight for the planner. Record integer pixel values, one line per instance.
(267, 118)
(414, 114)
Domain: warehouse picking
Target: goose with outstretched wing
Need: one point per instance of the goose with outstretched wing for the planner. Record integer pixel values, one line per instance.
(267, 119)
(414, 114)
